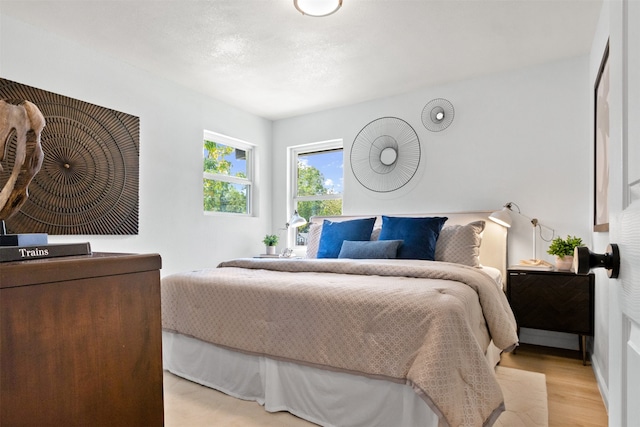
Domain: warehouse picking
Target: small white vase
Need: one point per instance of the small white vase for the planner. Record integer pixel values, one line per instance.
(564, 263)
(271, 250)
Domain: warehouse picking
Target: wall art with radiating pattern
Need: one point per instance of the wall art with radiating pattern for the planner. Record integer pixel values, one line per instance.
(89, 179)
(385, 154)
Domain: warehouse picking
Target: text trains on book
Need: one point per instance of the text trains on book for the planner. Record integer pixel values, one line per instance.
(27, 253)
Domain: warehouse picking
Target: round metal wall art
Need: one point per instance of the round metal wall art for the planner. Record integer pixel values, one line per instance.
(438, 114)
(385, 154)
(88, 182)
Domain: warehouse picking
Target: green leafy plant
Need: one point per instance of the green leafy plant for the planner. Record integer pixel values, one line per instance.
(562, 247)
(270, 240)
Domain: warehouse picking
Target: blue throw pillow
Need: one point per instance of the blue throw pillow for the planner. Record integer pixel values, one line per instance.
(334, 233)
(419, 235)
(379, 249)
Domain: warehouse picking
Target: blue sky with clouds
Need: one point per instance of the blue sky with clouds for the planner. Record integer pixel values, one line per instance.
(331, 165)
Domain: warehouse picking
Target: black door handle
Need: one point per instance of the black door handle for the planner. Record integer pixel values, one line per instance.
(584, 260)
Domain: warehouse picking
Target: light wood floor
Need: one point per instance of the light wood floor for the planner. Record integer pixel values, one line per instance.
(574, 398)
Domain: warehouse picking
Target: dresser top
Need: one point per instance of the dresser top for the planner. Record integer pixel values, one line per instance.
(99, 264)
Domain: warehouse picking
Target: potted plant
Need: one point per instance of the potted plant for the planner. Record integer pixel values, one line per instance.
(270, 241)
(563, 251)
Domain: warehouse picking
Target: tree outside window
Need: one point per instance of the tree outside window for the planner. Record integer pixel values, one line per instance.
(318, 183)
(226, 175)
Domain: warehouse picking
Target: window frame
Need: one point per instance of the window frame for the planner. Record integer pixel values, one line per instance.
(292, 179)
(249, 149)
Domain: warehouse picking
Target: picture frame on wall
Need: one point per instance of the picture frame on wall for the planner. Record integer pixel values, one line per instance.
(601, 146)
(89, 180)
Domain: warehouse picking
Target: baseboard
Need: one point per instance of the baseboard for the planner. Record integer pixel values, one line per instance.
(549, 338)
(602, 384)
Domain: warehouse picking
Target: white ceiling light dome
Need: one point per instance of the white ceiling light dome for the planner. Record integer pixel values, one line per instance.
(317, 8)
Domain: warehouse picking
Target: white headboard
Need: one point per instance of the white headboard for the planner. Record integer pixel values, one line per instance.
(493, 250)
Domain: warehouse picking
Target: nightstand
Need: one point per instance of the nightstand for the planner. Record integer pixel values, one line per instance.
(553, 301)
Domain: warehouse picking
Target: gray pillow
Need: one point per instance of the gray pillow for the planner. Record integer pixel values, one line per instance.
(313, 239)
(379, 249)
(460, 244)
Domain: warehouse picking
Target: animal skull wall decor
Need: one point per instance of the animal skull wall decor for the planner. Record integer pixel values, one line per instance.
(27, 121)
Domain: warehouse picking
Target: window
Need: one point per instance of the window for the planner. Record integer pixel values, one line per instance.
(316, 181)
(227, 174)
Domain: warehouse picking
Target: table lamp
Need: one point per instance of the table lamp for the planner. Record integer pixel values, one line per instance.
(503, 217)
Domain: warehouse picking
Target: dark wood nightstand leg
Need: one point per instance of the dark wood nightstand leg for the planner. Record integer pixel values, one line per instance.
(583, 345)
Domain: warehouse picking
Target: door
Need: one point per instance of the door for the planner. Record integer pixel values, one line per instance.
(624, 203)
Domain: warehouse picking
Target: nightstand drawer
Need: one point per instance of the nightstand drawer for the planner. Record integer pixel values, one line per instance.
(554, 301)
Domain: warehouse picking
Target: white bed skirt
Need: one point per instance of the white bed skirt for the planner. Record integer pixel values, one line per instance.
(323, 397)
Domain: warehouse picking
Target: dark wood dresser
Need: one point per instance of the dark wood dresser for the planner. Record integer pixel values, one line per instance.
(80, 341)
(553, 301)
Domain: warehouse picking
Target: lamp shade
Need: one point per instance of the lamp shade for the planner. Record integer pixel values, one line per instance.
(317, 8)
(501, 217)
(296, 220)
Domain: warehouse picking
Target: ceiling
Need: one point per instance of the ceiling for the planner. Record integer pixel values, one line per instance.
(266, 58)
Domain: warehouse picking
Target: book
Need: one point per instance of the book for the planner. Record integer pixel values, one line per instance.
(29, 239)
(24, 253)
(541, 267)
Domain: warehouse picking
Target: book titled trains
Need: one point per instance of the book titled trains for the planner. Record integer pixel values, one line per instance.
(25, 253)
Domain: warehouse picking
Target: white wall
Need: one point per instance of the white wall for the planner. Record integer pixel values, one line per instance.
(171, 123)
(521, 136)
(600, 356)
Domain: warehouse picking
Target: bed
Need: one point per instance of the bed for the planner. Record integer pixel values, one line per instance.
(358, 333)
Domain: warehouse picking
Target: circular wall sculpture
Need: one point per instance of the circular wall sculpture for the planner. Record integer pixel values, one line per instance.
(437, 115)
(88, 182)
(385, 154)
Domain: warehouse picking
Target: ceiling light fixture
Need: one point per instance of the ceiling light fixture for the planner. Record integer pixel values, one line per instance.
(317, 8)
